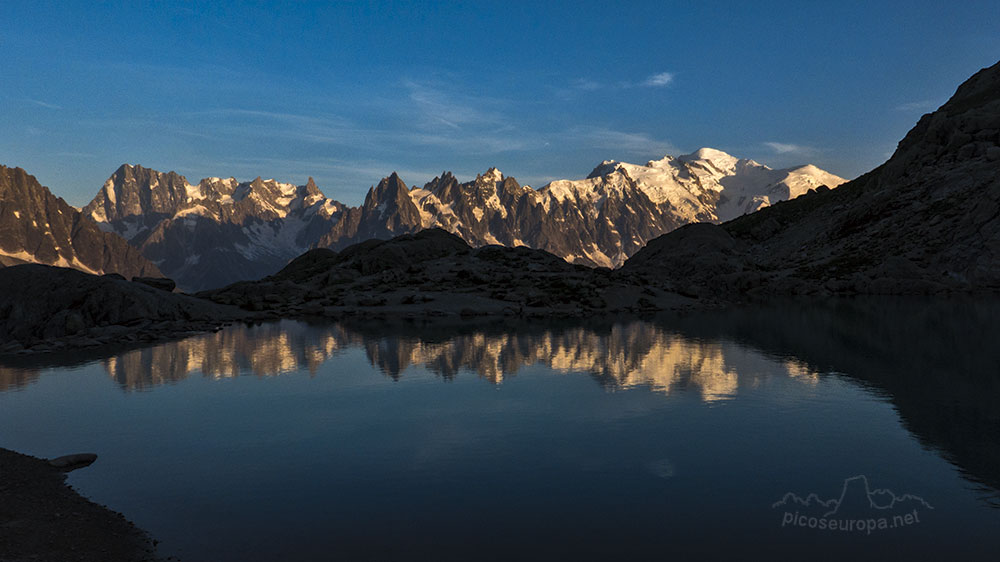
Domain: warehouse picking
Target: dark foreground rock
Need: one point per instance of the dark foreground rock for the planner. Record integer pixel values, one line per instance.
(161, 283)
(43, 519)
(72, 462)
(435, 273)
(925, 222)
(45, 308)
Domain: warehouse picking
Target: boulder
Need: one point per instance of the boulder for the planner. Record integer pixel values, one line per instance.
(73, 462)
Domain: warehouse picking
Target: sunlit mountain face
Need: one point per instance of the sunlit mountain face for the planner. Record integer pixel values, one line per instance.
(217, 231)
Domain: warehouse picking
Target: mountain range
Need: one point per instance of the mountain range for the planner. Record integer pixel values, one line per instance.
(38, 227)
(215, 232)
(219, 231)
(926, 221)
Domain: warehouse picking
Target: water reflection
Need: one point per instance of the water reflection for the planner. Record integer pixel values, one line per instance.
(262, 350)
(618, 356)
(935, 360)
(14, 378)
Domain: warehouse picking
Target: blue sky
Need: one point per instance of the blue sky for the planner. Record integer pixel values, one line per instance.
(543, 90)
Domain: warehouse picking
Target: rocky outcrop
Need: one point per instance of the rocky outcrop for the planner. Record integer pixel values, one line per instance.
(926, 221)
(38, 227)
(436, 273)
(45, 308)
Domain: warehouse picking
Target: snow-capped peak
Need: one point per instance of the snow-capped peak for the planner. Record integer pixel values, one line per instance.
(662, 162)
(707, 184)
(717, 158)
(605, 168)
(707, 153)
(493, 174)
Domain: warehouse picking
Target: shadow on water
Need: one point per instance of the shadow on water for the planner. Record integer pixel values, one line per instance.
(936, 361)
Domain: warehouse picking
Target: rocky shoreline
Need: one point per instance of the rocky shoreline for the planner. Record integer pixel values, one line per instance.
(43, 519)
(49, 309)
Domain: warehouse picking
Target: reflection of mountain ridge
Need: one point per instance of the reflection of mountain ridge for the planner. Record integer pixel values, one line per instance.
(263, 350)
(617, 356)
(934, 359)
(620, 356)
(14, 378)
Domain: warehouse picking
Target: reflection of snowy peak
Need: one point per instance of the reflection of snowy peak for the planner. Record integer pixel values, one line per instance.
(599, 220)
(635, 354)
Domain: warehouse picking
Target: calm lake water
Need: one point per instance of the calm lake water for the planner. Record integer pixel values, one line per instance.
(724, 435)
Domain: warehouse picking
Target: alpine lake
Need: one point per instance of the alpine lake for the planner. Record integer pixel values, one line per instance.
(866, 429)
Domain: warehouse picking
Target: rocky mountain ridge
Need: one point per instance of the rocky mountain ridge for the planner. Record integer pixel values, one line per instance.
(214, 232)
(38, 227)
(221, 230)
(597, 221)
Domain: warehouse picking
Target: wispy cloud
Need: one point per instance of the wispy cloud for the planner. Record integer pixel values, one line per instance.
(164, 125)
(486, 142)
(788, 148)
(322, 129)
(586, 85)
(659, 80)
(924, 105)
(44, 104)
(463, 123)
(602, 137)
(438, 107)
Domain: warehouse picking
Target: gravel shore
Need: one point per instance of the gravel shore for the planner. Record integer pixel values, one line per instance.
(43, 519)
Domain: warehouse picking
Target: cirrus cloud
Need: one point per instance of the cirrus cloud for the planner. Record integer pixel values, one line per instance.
(659, 80)
(788, 148)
